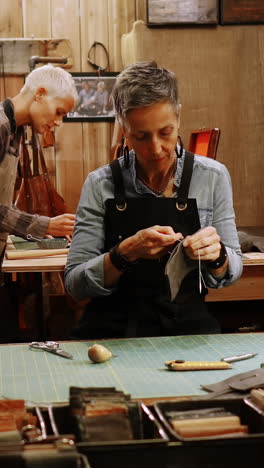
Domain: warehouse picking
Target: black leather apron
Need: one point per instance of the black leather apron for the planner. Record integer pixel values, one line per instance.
(141, 305)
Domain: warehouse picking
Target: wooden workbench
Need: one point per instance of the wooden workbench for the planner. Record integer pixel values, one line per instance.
(249, 287)
(138, 369)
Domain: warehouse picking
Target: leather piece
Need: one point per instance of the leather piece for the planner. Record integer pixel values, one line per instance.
(37, 194)
(177, 267)
(250, 243)
(240, 382)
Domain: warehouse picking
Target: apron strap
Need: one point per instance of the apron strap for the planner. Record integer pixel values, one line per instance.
(10, 114)
(119, 189)
(12, 143)
(183, 191)
(182, 198)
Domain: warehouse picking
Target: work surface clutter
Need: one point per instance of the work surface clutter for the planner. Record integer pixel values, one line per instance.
(60, 395)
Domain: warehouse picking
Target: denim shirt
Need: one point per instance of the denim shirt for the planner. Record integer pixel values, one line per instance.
(210, 185)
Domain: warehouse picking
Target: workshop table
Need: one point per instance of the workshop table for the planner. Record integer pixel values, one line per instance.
(249, 287)
(42, 266)
(138, 368)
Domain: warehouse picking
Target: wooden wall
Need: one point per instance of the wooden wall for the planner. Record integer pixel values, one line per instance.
(220, 71)
(81, 147)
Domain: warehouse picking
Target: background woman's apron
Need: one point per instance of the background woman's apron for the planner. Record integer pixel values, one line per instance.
(8, 171)
(140, 306)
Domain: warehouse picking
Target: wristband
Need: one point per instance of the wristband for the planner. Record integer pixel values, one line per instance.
(120, 261)
(219, 262)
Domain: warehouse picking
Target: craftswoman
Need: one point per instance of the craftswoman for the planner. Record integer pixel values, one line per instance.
(132, 212)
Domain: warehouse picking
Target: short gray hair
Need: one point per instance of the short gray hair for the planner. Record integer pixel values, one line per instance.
(143, 84)
(56, 80)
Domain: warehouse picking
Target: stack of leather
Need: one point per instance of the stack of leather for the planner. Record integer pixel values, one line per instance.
(104, 414)
(257, 396)
(206, 422)
(13, 416)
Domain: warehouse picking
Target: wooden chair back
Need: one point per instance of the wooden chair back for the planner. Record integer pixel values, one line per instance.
(204, 141)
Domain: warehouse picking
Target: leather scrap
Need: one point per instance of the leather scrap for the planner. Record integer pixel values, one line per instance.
(177, 267)
(242, 382)
(250, 243)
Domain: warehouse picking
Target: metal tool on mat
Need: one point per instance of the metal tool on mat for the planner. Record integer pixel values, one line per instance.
(55, 243)
(239, 357)
(50, 347)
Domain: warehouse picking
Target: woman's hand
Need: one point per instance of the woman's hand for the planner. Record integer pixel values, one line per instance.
(62, 225)
(149, 243)
(204, 243)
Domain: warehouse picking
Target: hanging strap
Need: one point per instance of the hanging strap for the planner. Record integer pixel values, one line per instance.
(27, 173)
(35, 154)
(45, 172)
(38, 155)
(98, 68)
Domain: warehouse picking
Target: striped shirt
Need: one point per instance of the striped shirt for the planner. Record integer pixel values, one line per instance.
(12, 220)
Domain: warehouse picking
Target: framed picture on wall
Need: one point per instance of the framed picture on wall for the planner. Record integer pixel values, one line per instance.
(180, 12)
(94, 93)
(242, 11)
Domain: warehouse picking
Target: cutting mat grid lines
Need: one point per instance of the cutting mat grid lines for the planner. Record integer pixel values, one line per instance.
(138, 368)
(209, 347)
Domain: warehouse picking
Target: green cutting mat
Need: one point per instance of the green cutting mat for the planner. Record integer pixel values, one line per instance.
(138, 368)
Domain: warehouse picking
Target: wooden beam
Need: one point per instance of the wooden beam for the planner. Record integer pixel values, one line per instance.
(17, 52)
